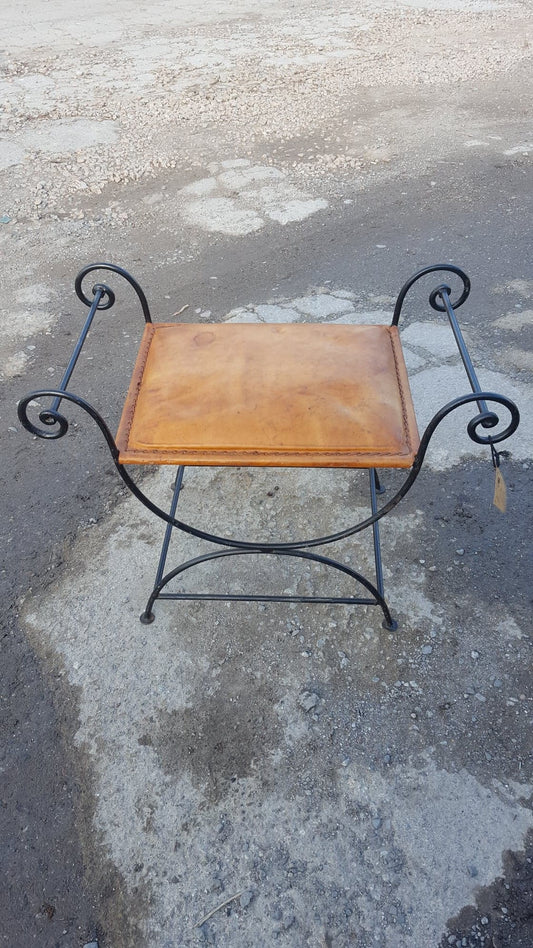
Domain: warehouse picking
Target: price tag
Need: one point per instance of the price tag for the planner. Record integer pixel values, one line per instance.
(500, 490)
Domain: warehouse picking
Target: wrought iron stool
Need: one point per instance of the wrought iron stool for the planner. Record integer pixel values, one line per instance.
(272, 395)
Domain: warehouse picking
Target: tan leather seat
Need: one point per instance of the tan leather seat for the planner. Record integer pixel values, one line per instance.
(303, 395)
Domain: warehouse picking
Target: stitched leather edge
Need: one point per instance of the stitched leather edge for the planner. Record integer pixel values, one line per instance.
(172, 455)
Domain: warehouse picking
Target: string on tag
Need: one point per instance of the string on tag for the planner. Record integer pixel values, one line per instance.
(500, 490)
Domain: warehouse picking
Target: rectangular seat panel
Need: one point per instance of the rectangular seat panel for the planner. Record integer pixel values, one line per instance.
(295, 395)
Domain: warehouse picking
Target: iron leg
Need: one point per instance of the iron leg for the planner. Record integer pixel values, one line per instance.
(147, 617)
(375, 487)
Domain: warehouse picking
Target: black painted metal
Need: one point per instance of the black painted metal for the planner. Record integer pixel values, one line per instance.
(490, 419)
(375, 531)
(113, 268)
(168, 532)
(56, 426)
(58, 418)
(436, 268)
(100, 292)
(378, 600)
(379, 488)
(445, 305)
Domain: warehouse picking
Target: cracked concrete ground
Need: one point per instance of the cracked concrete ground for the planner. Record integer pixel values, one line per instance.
(310, 776)
(213, 776)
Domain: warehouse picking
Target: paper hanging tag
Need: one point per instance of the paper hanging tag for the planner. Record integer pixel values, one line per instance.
(500, 492)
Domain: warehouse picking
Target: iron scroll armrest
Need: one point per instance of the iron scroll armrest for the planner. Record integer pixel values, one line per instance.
(435, 268)
(474, 424)
(440, 301)
(103, 297)
(56, 423)
(113, 268)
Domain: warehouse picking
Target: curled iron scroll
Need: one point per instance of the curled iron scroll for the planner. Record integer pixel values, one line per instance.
(492, 420)
(52, 418)
(47, 416)
(483, 419)
(113, 268)
(446, 267)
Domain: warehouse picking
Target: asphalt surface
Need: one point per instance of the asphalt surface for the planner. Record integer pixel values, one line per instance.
(62, 884)
(57, 876)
